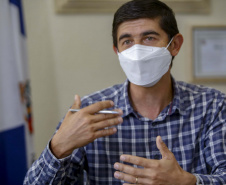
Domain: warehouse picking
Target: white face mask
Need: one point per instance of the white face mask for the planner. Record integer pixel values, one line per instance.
(145, 65)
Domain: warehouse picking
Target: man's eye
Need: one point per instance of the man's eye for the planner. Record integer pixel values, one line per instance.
(126, 42)
(149, 38)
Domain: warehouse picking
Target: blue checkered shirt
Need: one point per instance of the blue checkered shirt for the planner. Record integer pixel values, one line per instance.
(192, 126)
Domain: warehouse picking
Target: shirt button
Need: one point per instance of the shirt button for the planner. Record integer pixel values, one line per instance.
(154, 124)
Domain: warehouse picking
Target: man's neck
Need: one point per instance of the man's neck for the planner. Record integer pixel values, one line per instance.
(149, 102)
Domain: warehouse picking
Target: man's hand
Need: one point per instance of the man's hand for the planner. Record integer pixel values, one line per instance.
(83, 127)
(166, 171)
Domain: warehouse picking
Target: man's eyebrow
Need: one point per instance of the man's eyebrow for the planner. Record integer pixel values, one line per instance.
(149, 33)
(126, 35)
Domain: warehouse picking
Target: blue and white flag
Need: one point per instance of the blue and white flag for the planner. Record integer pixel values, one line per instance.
(16, 145)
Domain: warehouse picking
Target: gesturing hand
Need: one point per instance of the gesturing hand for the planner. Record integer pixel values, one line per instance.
(166, 171)
(83, 127)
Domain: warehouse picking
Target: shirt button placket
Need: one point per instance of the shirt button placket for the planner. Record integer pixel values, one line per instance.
(156, 156)
(154, 124)
(155, 134)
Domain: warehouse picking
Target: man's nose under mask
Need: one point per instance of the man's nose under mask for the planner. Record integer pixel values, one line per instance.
(145, 65)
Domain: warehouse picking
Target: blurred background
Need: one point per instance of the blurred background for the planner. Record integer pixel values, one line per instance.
(72, 54)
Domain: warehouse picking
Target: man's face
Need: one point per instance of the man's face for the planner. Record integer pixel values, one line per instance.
(141, 31)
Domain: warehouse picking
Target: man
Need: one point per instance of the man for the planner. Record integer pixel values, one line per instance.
(166, 132)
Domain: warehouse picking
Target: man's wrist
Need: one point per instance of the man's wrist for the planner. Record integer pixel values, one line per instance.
(57, 149)
(189, 179)
(198, 181)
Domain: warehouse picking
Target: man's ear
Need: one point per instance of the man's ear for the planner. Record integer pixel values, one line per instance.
(115, 50)
(176, 44)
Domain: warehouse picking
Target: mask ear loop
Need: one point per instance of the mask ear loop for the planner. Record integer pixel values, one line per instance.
(169, 43)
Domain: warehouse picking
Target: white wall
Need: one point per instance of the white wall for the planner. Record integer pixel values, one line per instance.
(72, 54)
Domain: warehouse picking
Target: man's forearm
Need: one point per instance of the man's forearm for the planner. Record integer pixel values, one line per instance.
(216, 179)
(50, 170)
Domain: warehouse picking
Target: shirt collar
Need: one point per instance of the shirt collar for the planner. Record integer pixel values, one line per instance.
(125, 105)
(177, 104)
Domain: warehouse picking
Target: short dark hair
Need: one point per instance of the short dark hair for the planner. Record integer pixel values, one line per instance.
(152, 9)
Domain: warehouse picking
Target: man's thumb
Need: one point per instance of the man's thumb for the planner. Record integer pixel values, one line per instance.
(166, 153)
(77, 102)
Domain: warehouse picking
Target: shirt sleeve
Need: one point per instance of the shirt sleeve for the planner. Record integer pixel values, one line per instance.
(215, 147)
(50, 170)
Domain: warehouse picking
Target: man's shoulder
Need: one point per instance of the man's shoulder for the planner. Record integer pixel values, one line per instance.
(111, 93)
(194, 90)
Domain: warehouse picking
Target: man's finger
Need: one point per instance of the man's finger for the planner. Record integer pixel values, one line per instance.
(96, 107)
(128, 178)
(105, 132)
(166, 153)
(101, 117)
(108, 123)
(129, 169)
(139, 161)
(77, 102)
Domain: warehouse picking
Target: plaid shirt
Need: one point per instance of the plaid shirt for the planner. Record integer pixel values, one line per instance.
(192, 126)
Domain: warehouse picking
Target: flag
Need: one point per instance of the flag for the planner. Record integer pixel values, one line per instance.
(16, 131)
